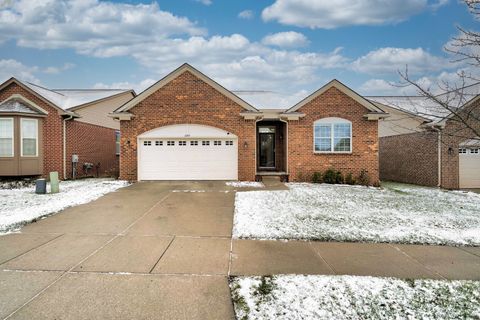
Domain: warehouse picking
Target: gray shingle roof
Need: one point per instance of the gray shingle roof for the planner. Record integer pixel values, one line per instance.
(70, 98)
(420, 106)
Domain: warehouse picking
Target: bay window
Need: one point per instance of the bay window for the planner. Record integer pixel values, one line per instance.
(332, 135)
(6, 137)
(29, 137)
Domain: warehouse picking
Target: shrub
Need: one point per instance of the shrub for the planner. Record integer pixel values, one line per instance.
(330, 176)
(339, 178)
(317, 177)
(300, 177)
(363, 178)
(349, 179)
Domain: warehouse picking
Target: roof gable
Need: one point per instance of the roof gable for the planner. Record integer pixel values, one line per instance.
(31, 91)
(415, 107)
(343, 88)
(66, 101)
(183, 68)
(17, 103)
(459, 110)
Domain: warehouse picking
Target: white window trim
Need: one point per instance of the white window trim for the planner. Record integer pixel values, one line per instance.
(13, 138)
(21, 137)
(331, 121)
(117, 143)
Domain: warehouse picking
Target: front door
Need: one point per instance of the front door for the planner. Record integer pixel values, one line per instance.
(267, 147)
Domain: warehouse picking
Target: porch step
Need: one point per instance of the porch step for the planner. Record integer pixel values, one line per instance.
(271, 173)
(271, 179)
(278, 175)
(274, 182)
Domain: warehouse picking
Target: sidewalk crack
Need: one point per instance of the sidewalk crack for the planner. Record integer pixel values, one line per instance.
(322, 258)
(416, 261)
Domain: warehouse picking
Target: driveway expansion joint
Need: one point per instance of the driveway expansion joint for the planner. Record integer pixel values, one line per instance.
(85, 259)
(31, 249)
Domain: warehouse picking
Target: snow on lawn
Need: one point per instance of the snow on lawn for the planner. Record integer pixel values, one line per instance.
(395, 213)
(244, 184)
(20, 206)
(352, 297)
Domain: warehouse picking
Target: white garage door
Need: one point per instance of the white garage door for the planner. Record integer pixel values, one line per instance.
(469, 167)
(187, 152)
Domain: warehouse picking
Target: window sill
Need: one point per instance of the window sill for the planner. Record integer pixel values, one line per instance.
(332, 152)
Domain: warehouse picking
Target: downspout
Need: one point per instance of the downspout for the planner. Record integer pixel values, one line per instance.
(439, 147)
(65, 146)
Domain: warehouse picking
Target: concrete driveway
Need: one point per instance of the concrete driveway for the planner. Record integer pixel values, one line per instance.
(149, 251)
(164, 251)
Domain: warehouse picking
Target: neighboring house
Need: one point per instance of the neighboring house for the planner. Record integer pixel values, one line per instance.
(421, 143)
(188, 127)
(40, 130)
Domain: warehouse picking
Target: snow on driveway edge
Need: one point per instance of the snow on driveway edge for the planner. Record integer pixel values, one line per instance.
(21, 206)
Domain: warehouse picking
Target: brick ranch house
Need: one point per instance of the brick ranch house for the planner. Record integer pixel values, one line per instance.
(40, 130)
(423, 144)
(188, 127)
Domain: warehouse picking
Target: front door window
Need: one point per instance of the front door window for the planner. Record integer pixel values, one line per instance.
(267, 147)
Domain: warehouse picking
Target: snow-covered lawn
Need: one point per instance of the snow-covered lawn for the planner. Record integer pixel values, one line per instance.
(396, 213)
(22, 205)
(244, 184)
(351, 297)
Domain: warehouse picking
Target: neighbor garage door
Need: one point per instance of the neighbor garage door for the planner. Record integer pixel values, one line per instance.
(201, 153)
(469, 167)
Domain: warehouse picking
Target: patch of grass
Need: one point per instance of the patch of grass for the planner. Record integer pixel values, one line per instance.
(241, 308)
(458, 300)
(265, 287)
(263, 291)
(398, 191)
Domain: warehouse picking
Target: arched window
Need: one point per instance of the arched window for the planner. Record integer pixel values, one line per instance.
(332, 135)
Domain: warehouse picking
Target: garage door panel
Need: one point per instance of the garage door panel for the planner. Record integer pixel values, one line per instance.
(189, 162)
(469, 168)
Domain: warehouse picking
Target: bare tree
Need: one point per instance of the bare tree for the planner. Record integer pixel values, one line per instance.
(452, 98)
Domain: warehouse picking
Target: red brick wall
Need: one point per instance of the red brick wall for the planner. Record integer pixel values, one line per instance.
(410, 158)
(187, 99)
(52, 129)
(413, 158)
(92, 144)
(303, 162)
(453, 134)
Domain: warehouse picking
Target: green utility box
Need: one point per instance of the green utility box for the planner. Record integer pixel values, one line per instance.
(54, 184)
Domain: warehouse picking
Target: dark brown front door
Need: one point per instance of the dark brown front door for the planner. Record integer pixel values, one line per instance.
(267, 148)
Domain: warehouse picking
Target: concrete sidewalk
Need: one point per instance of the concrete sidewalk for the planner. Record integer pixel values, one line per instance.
(164, 250)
